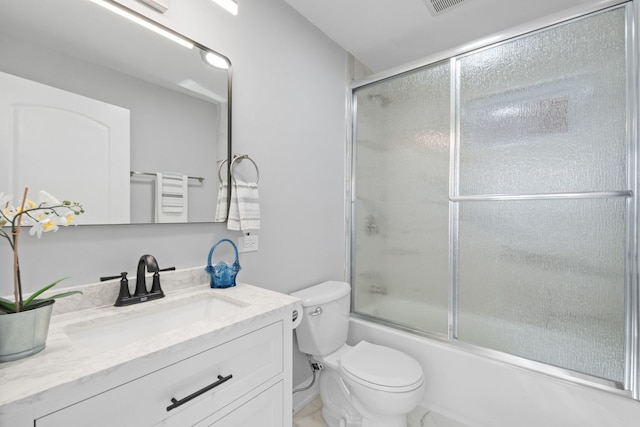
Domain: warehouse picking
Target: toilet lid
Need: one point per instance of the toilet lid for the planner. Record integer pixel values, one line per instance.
(381, 366)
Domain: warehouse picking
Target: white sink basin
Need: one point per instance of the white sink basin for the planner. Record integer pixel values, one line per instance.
(144, 320)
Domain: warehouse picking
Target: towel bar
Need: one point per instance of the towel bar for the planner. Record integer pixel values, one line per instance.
(131, 173)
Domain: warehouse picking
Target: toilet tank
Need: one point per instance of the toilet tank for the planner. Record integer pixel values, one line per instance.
(325, 321)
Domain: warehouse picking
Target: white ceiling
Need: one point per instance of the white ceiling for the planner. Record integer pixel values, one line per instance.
(384, 34)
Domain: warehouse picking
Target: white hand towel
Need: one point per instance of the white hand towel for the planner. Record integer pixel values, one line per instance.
(244, 210)
(221, 205)
(171, 197)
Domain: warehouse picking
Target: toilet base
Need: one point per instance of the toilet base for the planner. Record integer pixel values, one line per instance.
(382, 410)
(337, 410)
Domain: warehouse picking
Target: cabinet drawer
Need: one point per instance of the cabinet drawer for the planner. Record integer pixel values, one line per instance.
(250, 359)
(264, 410)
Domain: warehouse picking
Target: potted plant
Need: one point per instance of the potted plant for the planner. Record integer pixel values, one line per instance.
(24, 323)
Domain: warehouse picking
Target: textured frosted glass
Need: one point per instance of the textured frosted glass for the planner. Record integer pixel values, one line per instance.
(546, 113)
(400, 269)
(545, 280)
(539, 279)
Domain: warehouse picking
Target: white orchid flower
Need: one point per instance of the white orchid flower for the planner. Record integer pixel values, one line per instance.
(8, 211)
(44, 226)
(36, 229)
(47, 199)
(43, 217)
(68, 219)
(5, 212)
(28, 204)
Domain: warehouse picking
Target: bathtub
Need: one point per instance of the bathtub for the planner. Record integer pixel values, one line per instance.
(478, 391)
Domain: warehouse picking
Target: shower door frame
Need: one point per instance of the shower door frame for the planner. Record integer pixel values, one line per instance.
(630, 386)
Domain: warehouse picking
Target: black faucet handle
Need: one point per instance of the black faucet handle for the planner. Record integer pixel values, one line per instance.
(124, 290)
(155, 286)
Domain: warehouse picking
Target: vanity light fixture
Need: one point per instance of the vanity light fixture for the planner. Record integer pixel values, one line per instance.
(138, 19)
(214, 59)
(230, 6)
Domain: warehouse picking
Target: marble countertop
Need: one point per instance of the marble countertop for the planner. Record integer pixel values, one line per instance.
(65, 362)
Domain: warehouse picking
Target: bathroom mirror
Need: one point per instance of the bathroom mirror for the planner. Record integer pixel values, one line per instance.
(94, 107)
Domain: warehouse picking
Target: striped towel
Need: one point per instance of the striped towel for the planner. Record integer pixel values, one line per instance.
(244, 210)
(171, 197)
(221, 205)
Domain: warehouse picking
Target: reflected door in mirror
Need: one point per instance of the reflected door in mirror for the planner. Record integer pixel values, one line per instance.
(65, 144)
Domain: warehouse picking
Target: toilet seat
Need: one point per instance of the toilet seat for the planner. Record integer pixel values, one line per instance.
(381, 368)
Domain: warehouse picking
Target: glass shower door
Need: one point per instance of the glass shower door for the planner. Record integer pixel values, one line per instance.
(541, 196)
(493, 199)
(400, 265)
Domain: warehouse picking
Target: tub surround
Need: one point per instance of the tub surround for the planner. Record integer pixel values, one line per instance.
(65, 372)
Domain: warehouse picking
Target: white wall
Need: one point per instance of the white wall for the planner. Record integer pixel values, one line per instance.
(289, 89)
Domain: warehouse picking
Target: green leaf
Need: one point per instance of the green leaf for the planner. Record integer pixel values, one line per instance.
(36, 303)
(33, 303)
(46, 288)
(7, 306)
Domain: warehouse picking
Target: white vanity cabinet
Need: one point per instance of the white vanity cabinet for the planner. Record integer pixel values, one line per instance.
(230, 384)
(229, 368)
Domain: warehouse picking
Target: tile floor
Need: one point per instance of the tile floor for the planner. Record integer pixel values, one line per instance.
(310, 416)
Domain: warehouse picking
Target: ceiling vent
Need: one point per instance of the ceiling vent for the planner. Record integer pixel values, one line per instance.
(436, 7)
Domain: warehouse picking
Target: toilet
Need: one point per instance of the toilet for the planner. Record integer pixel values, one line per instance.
(365, 385)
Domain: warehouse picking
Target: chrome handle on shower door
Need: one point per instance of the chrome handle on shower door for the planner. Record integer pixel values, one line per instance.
(317, 312)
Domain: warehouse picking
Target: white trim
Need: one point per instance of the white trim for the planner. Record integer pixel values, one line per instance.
(303, 398)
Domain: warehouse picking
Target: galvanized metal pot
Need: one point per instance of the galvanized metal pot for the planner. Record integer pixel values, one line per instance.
(25, 333)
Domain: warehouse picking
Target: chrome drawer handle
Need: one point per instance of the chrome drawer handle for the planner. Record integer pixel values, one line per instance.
(175, 402)
(318, 312)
